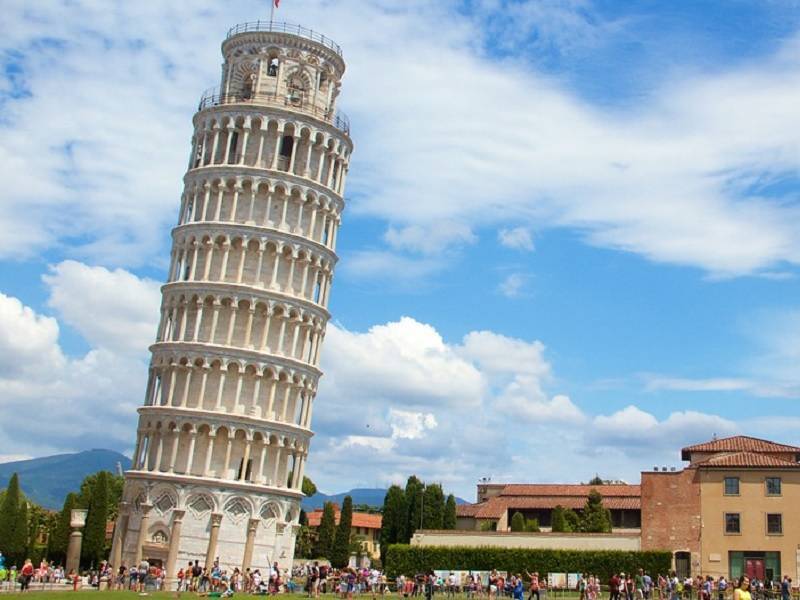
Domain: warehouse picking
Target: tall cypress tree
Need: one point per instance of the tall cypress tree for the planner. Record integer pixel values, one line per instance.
(595, 518)
(392, 520)
(58, 540)
(21, 541)
(558, 521)
(449, 521)
(325, 532)
(433, 507)
(340, 556)
(13, 538)
(413, 495)
(94, 534)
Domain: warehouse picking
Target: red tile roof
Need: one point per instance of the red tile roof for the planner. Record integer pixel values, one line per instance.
(747, 459)
(569, 489)
(360, 519)
(739, 443)
(534, 496)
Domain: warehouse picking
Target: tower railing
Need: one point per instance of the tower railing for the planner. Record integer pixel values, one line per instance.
(281, 27)
(213, 97)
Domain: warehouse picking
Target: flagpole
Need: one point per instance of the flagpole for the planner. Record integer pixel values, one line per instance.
(271, 11)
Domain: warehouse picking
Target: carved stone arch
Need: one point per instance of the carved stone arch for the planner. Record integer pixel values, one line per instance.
(238, 508)
(201, 504)
(243, 79)
(270, 513)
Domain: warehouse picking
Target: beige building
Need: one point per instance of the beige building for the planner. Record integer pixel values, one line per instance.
(732, 510)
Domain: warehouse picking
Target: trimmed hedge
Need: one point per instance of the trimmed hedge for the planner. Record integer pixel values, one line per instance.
(409, 560)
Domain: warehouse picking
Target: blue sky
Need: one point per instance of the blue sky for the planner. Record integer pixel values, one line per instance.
(570, 244)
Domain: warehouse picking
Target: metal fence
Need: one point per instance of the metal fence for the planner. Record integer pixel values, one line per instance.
(282, 27)
(213, 97)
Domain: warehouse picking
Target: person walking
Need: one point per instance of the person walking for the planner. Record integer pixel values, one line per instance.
(26, 574)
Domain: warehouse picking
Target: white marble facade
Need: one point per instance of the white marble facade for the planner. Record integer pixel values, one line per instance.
(225, 428)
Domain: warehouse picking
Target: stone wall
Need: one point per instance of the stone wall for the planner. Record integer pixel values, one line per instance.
(552, 541)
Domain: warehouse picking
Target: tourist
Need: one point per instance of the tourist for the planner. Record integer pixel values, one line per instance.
(534, 585)
(722, 586)
(742, 591)
(614, 585)
(26, 574)
(786, 588)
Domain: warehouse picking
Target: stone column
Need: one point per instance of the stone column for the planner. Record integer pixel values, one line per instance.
(76, 521)
(120, 529)
(216, 519)
(146, 508)
(252, 528)
(174, 544)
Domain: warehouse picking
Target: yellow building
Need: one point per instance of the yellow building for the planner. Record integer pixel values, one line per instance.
(733, 510)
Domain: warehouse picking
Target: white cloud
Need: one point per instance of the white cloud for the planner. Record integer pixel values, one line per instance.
(110, 309)
(518, 238)
(410, 425)
(86, 402)
(674, 178)
(512, 286)
(633, 427)
(429, 239)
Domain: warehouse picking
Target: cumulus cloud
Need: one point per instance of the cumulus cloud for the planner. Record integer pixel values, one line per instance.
(110, 309)
(53, 402)
(633, 427)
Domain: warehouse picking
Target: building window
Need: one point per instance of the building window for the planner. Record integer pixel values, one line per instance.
(773, 486)
(774, 524)
(732, 523)
(731, 486)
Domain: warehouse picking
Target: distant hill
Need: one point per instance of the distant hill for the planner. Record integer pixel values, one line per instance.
(49, 479)
(370, 496)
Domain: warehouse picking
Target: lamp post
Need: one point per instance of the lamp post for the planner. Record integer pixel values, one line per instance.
(77, 519)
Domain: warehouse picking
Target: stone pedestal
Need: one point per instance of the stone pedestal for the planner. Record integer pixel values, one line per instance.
(76, 522)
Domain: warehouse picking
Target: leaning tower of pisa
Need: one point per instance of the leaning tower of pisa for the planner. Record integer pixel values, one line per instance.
(224, 431)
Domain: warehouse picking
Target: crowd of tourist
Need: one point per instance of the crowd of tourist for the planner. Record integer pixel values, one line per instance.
(315, 579)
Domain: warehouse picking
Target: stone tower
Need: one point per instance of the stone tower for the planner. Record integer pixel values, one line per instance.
(224, 432)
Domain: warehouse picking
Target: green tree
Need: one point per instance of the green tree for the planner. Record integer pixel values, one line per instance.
(572, 519)
(326, 531)
(304, 546)
(114, 484)
(413, 495)
(59, 537)
(393, 518)
(558, 522)
(340, 555)
(309, 489)
(13, 532)
(22, 537)
(532, 525)
(517, 522)
(450, 513)
(94, 534)
(596, 480)
(595, 518)
(433, 507)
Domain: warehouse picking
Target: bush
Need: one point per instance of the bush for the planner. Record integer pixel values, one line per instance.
(408, 560)
(517, 522)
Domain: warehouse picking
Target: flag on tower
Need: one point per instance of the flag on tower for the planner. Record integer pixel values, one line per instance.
(277, 2)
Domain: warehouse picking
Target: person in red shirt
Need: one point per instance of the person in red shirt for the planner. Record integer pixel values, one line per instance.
(26, 574)
(613, 587)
